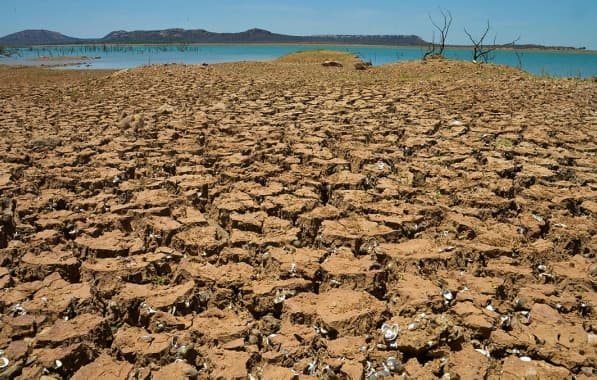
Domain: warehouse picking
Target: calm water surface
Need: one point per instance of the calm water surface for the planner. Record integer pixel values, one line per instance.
(566, 64)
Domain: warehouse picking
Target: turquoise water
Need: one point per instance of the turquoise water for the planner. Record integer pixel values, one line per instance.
(565, 64)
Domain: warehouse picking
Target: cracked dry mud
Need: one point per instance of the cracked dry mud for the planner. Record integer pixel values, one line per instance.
(283, 220)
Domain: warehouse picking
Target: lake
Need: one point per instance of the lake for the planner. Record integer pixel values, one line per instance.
(555, 63)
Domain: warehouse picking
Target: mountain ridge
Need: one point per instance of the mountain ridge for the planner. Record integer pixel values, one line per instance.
(31, 37)
(177, 35)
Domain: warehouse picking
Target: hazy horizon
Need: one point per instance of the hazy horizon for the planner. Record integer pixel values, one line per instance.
(536, 22)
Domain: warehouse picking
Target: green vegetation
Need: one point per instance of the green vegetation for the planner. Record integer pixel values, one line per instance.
(501, 143)
(115, 326)
(158, 281)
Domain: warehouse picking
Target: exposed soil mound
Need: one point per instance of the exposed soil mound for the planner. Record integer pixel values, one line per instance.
(319, 57)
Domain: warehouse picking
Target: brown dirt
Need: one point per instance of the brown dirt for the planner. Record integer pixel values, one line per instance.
(286, 219)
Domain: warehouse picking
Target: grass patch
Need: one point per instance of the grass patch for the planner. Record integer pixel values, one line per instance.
(502, 144)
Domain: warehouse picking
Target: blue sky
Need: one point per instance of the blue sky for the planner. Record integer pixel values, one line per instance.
(550, 22)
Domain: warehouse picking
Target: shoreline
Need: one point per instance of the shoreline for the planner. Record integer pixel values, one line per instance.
(453, 47)
(212, 54)
(64, 58)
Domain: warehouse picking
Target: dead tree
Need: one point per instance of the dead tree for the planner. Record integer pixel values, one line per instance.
(6, 52)
(518, 59)
(482, 51)
(431, 48)
(443, 29)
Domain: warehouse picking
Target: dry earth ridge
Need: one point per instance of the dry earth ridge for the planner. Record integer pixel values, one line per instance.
(284, 220)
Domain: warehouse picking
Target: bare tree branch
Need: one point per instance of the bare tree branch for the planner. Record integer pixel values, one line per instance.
(482, 51)
(443, 30)
(430, 48)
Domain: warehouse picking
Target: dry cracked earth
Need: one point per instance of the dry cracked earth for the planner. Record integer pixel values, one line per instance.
(285, 220)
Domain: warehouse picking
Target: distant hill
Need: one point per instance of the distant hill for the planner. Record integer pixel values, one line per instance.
(250, 36)
(46, 37)
(38, 37)
(193, 36)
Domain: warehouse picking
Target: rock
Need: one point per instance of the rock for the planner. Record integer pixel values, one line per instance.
(561, 343)
(267, 296)
(177, 370)
(60, 298)
(346, 180)
(233, 275)
(137, 345)
(162, 228)
(514, 367)
(104, 368)
(276, 372)
(149, 297)
(416, 371)
(301, 262)
(346, 232)
(480, 321)
(361, 66)
(22, 326)
(67, 359)
(83, 328)
(165, 109)
(344, 270)
(153, 198)
(349, 347)
(17, 350)
(221, 327)
(339, 311)
(228, 364)
(331, 64)
(415, 294)
(110, 244)
(198, 241)
(310, 222)
(38, 266)
(42, 143)
(467, 364)
(134, 121)
(140, 269)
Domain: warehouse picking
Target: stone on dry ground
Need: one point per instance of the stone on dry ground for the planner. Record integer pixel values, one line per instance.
(290, 220)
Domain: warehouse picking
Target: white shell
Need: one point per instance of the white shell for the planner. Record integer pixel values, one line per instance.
(390, 332)
(447, 295)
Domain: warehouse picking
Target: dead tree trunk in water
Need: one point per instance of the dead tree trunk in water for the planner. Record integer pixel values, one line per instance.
(443, 29)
